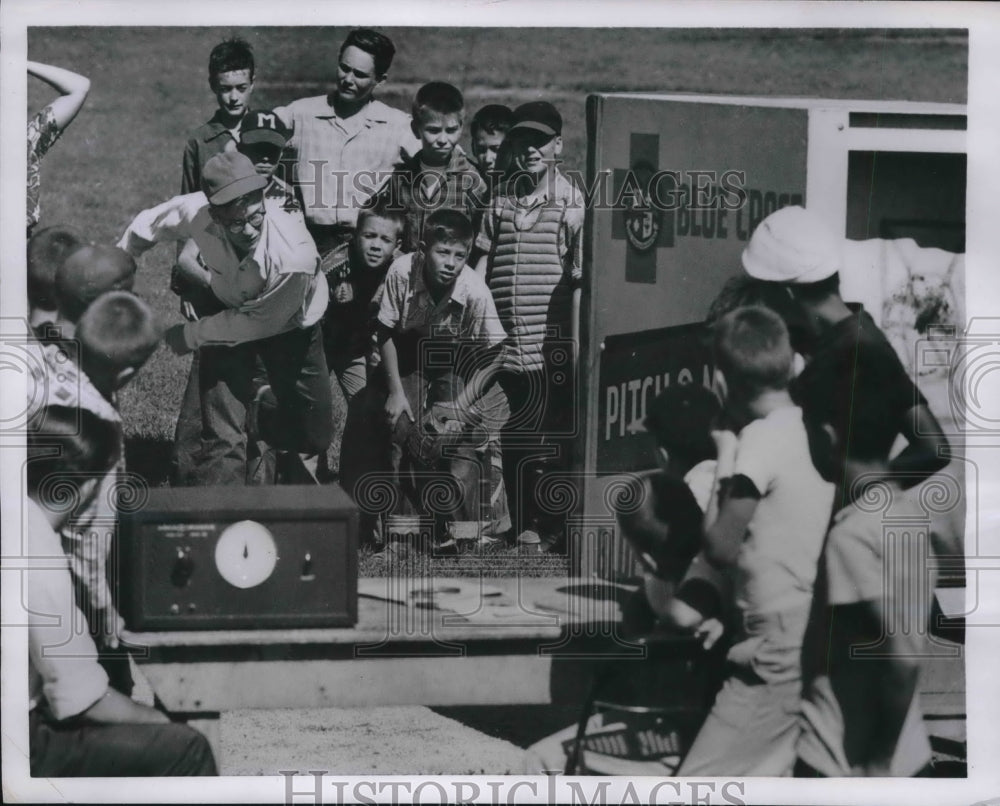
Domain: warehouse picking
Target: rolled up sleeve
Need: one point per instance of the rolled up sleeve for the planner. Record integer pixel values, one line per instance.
(170, 221)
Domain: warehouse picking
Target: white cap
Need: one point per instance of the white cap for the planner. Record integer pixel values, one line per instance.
(793, 245)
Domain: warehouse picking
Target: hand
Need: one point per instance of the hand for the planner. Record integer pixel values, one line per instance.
(709, 631)
(343, 293)
(174, 339)
(397, 404)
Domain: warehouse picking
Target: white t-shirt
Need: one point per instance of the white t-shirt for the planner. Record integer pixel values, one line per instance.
(776, 568)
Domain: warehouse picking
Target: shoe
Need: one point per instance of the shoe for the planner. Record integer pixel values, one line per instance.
(446, 547)
(529, 542)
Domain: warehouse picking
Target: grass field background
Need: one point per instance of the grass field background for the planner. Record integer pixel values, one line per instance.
(149, 88)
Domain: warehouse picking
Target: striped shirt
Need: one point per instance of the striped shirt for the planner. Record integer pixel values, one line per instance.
(341, 162)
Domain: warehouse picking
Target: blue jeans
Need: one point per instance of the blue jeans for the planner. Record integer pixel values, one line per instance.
(296, 370)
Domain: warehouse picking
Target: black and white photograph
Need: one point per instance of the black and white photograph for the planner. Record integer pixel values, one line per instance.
(500, 402)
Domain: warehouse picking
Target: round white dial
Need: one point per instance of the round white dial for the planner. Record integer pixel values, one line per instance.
(245, 554)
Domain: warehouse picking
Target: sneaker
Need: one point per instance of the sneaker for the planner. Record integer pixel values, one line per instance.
(529, 542)
(445, 547)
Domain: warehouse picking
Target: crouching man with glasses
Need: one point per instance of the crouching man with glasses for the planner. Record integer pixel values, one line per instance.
(261, 266)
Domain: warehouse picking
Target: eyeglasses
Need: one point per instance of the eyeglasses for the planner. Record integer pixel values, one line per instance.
(237, 225)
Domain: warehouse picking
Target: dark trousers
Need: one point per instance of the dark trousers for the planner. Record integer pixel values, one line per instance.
(536, 441)
(78, 749)
(296, 370)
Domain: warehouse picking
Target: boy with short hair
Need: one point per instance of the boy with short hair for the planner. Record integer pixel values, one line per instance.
(439, 176)
(532, 240)
(439, 334)
(86, 274)
(767, 523)
(47, 249)
(348, 330)
(78, 724)
(487, 129)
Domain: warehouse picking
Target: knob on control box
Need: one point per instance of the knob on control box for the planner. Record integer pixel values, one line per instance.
(239, 558)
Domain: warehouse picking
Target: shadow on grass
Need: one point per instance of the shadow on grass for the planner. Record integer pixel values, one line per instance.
(149, 457)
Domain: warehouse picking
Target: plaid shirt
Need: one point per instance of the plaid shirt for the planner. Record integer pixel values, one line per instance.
(341, 162)
(459, 188)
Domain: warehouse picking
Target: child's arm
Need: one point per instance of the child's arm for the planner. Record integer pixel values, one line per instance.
(731, 507)
(396, 404)
(72, 87)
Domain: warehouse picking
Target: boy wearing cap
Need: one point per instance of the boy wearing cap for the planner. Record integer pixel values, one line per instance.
(262, 273)
(796, 248)
(532, 240)
(439, 176)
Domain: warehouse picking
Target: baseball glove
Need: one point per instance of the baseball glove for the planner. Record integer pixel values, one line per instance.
(431, 439)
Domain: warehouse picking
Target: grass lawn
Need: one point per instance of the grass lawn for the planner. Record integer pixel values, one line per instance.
(149, 88)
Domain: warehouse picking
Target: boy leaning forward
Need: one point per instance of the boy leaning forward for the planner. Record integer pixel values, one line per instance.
(262, 271)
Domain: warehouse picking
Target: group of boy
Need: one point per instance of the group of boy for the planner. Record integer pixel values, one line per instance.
(89, 335)
(386, 247)
(790, 568)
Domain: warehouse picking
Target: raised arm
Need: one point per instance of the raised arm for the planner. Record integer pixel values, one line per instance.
(72, 88)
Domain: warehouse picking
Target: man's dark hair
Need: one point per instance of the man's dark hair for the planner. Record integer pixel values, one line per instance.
(66, 446)
(376, 44)
(447, 225)
(47, 249)
(439, 98)
(232, 54)
(492, 119)
(681, 418)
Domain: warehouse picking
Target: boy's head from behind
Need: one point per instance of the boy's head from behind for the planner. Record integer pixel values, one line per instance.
(117, 334)
(488, 128)
(662, 521)
(231, 73)
(378, 235)
(438, 116)
(47, 249)
(447, 239)
(69, 450)
(752, 354)
(262, 138)
(743, 290)
(87, 273)
(681, 419)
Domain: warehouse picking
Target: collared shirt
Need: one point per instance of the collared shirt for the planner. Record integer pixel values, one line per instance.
(527, 210)
(419, 191)
(466, 313)
(62, 659)
(273, 289)
(209, 139)
(42, 133)
(58, 381)
(341, 162)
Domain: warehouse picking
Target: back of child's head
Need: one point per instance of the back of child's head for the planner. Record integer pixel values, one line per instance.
(753, 351)
(47, 249)
(681, 419)
(385, 212)
(492, 119)
(743, 290)
(438, 98)
(68, 445)
(117, 333)
(448, 226)
(232, 54)
(87, 273)
(661, 519)
(375, 44)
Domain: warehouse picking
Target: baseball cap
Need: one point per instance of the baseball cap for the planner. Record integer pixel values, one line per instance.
(228, 176)
(89, 272)
(263, 126)
(793, 245)
(540, 116)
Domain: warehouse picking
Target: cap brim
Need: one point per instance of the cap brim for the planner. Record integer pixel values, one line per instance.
(533, 125)
(268, 136)
(241, 187)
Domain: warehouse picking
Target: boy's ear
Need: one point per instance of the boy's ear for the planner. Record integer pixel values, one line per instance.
(558, 146)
